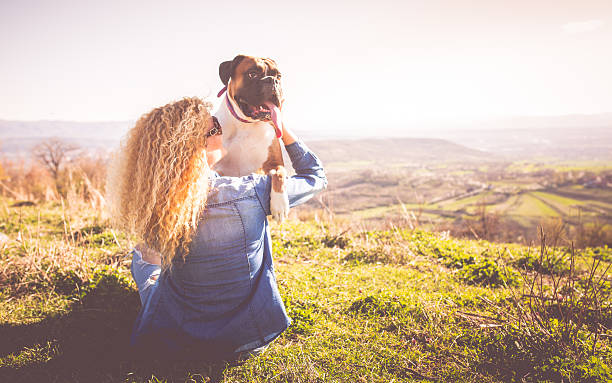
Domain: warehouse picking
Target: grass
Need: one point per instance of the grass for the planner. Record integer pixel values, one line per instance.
(531, 206)
(569, 206)
(370, 306)
(349, 165)
(560, 166)
(584, 193)
(384, 210)
(465, 202)
(559, 201)
(519, 196)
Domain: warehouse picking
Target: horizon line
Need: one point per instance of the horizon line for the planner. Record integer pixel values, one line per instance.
(486, 119)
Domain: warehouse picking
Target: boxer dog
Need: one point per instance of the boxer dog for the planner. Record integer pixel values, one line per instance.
(250, 118)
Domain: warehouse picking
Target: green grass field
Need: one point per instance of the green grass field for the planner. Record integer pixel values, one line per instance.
(375, 306)
(517, 196)
(561, 166)
(520, 205)
(530, 206)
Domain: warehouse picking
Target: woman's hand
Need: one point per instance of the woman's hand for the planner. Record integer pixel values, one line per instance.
(148, 255)
(288, 136)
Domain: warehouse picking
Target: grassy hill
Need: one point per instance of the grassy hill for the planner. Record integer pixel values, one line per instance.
(370, 306)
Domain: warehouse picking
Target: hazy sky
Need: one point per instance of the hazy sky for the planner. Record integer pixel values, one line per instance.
(344, 63)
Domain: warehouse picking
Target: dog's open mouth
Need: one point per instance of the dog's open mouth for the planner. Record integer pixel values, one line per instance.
(268, 111)
(257, 112)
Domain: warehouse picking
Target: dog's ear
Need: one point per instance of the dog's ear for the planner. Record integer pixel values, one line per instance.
(226, 69)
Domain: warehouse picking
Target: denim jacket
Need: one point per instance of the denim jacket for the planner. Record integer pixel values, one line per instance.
(223, 297)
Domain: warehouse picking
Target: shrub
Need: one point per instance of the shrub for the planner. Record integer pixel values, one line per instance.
(111, 289)
(341, 241)
(89, 230)
(384, 305)
(551, 264)
(101, 239)
(554, 329)
(487, 273)
(452, 253)
(382, 253)
(475, 266)
(308, 241)
(67, 282)
(302, 316)
(528, 353)
(599, 253)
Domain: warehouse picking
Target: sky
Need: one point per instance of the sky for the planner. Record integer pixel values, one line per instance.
(347, 65)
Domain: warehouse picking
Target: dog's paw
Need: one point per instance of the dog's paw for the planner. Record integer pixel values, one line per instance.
(279, 205)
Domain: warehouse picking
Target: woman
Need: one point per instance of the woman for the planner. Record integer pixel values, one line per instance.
(213, 292)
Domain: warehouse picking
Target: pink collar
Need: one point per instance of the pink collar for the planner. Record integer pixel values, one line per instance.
(231, 107)
(277, 130)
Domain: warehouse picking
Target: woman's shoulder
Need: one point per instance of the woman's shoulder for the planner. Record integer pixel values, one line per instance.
(227, 189)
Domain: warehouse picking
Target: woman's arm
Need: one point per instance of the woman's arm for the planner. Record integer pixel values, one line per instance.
(288, 136)
(309, 178)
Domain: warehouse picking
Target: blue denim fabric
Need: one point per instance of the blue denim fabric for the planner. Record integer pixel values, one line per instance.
(145, 275)
(223, 296)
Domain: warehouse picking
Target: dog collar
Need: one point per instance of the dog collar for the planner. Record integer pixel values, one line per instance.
(233, 112)
(277, 130)
(231, 107)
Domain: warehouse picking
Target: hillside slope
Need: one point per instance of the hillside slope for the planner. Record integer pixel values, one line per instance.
(376, 306)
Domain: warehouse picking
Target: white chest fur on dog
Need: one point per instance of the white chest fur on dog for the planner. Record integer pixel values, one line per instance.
(246, 144)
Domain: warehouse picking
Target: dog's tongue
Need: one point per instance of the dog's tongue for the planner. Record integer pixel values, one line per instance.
(275, 114)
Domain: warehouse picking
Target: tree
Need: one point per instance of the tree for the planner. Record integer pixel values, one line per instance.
(52, 154)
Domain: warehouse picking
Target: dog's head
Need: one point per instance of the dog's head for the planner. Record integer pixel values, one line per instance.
(253, 83)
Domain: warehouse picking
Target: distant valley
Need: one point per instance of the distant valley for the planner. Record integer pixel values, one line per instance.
(511, 177)
(536, 138)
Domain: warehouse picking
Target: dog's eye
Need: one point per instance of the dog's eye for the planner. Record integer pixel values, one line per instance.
(278, 76)
(253, 74)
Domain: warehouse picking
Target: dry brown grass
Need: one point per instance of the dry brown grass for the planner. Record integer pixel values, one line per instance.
(79, 181)
(26, 266)
(25, 180)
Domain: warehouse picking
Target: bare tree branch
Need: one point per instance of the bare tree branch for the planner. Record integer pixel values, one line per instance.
(52, 154)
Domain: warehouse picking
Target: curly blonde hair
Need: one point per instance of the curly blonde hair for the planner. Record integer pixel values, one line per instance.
(159, 179)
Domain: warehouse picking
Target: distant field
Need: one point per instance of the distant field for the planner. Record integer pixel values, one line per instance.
(348, 164)
(531, 206)
(562, 166)
(463, 203)
(521, 194)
